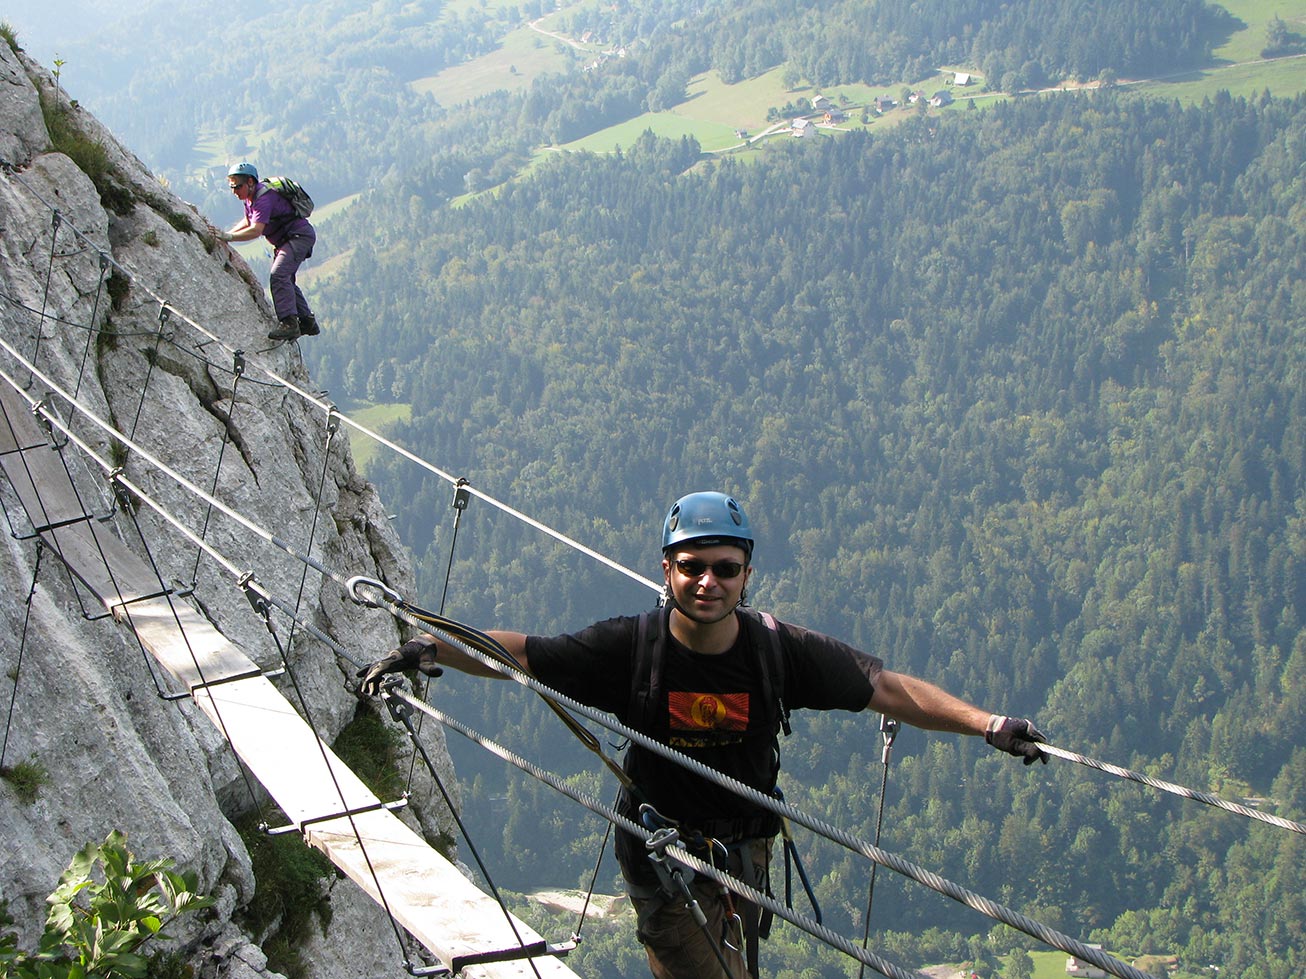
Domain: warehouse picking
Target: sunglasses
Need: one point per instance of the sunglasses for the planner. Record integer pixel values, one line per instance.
(721, 569)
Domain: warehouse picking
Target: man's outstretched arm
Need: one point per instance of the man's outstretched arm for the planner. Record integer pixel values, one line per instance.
(922, 704)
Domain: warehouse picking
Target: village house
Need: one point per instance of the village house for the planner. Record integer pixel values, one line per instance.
(1084, 970)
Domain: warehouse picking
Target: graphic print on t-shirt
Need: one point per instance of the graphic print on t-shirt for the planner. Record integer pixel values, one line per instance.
(706, 713)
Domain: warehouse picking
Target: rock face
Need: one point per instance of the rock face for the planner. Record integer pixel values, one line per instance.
(104, 300)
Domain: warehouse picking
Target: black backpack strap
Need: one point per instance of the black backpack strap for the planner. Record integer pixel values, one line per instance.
(646, 670)
(773, 672)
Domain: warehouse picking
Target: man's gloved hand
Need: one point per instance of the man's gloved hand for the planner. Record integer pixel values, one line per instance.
(1016, 736)
(412, 655)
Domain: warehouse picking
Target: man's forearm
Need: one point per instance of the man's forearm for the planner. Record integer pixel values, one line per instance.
(456, 659)
(922, 704)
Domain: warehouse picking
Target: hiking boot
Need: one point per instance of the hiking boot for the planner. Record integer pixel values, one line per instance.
(288, 330)
(308, 326)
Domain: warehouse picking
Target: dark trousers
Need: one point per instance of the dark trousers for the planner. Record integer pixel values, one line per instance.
(287, 299)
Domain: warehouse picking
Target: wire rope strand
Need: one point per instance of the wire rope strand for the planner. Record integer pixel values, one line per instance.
(1204, 797)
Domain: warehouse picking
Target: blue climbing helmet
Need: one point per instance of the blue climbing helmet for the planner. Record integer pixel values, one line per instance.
(243, 170)
(707, 518)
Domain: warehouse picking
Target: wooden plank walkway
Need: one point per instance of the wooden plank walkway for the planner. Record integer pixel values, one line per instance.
(425, 892)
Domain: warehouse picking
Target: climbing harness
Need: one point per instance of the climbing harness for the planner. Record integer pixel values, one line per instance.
(792, 859)
(675, 885)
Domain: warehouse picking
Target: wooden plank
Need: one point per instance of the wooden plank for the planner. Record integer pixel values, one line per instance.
(456, 918)
(180, 638)
(281, 751)
(30, 461)
(185, 643)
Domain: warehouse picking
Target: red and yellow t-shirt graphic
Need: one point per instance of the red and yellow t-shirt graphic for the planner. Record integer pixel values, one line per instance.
(708, 711)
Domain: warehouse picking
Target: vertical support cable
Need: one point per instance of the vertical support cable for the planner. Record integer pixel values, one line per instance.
(56, 218)
(91, 331)
(237, 369)
(888, 732)
(332, 427)
(22, 644)
(461, 497)
(153, 356)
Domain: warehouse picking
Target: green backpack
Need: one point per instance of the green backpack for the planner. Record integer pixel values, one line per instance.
(295, 195)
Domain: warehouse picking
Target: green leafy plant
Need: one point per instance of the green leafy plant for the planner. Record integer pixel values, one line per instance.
(106, 909)
(26, 777)
(9, 36)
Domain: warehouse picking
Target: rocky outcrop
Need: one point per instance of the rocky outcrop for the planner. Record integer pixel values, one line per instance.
(102, 274)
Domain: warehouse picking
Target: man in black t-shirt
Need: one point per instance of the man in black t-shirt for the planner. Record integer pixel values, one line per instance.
(710, 694)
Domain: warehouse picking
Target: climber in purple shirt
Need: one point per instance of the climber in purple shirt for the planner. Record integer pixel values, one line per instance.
(270, 215)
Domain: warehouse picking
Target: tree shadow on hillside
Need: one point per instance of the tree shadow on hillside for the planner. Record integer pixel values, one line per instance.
(1216, 30)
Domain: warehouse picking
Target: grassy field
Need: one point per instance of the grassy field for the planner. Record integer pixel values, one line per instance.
(524, 55)
(713, 110)
(1237, 66)
(1246, 44)
(378, 418)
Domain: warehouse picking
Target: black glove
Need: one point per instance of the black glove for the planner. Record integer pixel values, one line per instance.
(1016, 736)
(412, 655)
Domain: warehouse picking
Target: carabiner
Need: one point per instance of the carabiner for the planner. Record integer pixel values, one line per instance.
(358, 580)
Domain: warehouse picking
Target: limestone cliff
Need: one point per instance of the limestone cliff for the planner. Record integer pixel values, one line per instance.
(87, 248)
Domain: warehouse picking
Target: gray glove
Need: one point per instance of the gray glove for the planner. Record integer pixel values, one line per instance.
(1016, 736)
(412, 655)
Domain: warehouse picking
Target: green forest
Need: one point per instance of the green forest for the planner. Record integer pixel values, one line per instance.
(1013, 398)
